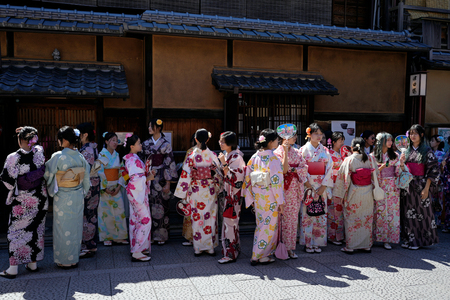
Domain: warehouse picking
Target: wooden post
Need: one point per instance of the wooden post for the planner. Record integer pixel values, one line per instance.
(400, 16)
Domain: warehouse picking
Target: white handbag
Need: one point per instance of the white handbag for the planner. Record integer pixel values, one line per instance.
(378, 193)
(262, 179)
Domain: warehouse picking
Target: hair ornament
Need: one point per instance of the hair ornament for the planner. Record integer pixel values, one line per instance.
(440, 138)
(358, 146)
(126, 137)
(104, 134)
(209, 134)
(308, 133)
(77, 132)
(159, 122)
(329, 142)
(407, 134)
(33, 141)
(261, 139)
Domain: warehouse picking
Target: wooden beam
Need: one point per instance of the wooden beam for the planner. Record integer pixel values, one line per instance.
(188, 113)
(361, 117)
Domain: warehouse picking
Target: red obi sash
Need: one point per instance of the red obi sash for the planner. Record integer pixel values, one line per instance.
(387, 172)
(416, 169)
(362, 176)
(157, 160)
(201, 173)
(316, 168)
(288, 177)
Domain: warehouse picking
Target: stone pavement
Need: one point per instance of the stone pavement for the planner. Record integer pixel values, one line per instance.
(174, 273)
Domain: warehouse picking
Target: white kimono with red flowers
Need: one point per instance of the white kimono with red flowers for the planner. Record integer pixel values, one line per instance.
(137, 192)
(202, 195)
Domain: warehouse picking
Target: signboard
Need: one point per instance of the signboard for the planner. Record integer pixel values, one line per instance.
(348, 128)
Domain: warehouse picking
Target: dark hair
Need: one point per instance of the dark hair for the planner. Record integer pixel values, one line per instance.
(154, 122)
(202, 135)
(365, 135)
(336, 136)
(381, 140)
(230, 139)
(130, 141)
(314, 128)
(68, 133)
(270, 136)
(26, 133)
(361, 142)
(441, 144)
(87, 128)
(107, 136)
(423, 148)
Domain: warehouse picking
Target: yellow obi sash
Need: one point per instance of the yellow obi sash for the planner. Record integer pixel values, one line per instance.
(112, 174)
(70, 178)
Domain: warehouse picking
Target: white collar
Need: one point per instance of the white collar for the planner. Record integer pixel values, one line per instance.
(415, 148)
(154, 142)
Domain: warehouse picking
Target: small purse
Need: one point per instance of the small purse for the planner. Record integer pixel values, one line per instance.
(183, 208)
(316, 208)
(308, 196)
(378, 193)
(262, 179)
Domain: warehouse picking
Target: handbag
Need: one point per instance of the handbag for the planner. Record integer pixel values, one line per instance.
(308, 196)
(281, 251)
(378, 193)
(262, 179)
(316, 208)
(183, 208)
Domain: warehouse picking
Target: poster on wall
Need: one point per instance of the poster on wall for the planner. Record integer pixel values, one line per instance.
(121, 136)
(445, 132)
(348, 128)
(168, 136)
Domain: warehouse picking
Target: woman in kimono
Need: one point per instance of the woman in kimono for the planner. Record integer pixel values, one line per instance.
(112, 224)
(90, 229)
(418, 224)
(437, 145)
(354, 186)
(199, 184)
(295, 172)
(23, 177)
(369, 141)
(187, 223)
(68, 182)
(387, 211)
(265, 195)
(158, 149)
(233, 166)
(137, 193)
(313, 232)
(335, 215)
(446, 186)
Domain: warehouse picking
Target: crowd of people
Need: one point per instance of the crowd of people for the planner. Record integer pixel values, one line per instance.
(318, 193)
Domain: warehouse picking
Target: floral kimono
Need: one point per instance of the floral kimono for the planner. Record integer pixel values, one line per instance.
(418, 223)
(357, 200)
(265, 201)
(438, 198)
(23, 177)
(111, 209)
(137, 192)
(335, 214)
(160, 154)
(386, 213)
(294, 181)
(90, 231)
(68, 202)
(446, 187)
(231, 245)
(313, 232)
(187, 223)
(199, 183)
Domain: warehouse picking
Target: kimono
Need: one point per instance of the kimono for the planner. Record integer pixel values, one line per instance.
(335, 215)
(232, 184)
(137, 193)
(265, 201)
(199, 183)
(112, 223)
(187, 223)
(90, 230)
(446, 187)
(386, 212)
(437, 199)
(68, 204)
(418, 223)
(313, 232)
(23, 176)
(358, 202)
(294, 181)
(161, 156)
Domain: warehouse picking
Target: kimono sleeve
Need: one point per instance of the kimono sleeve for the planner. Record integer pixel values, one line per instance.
(101, 173)
(185, 179)
(235, 175)
(51, 167)
(247, 186)
(277, 179)
(328, 180)
(170, 167)
(9, 174)
(87, 172)
(432, 171)
(302, 169)
(342, 180)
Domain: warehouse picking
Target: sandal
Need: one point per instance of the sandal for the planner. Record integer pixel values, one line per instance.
(266, 260)
(317, 250)
(226, 260)
(6, 275)
(161, 243)
(405, 245)
(86, 254)
(292, 254)
(387, 246)
(67, 267)
(413, 247)
(186, 243)
(346, 250)
(30, 269)
(121, 242)
(309, 250)
(107, 243)
(337, 243)
(144, 258)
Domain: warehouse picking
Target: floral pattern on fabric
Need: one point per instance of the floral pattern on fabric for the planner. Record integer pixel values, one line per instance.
(335, 215)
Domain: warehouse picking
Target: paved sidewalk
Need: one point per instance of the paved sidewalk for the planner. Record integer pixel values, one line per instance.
(174, 273)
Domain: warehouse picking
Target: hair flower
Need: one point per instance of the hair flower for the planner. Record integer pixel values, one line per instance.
(329, 142)
(126, 137)
(159, 122)
(261, 139)
(209, 134)
(33, 141)
(358, 146)
(308, 133)
(407, 134)
(104, 134)
(440, 138)
(77, 132)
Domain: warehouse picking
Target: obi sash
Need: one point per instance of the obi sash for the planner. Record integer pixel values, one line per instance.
(290, 175)
(112, 174)
(316, 168)
(157, 159)
(388, 172)
(201, 173)
(70, 178)
(416, 169)
(31, 180)
(362, 176)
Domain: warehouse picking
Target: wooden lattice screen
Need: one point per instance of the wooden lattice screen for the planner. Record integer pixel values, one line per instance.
(48, 119)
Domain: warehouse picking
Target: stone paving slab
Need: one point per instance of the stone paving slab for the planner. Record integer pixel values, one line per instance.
(175, 273)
